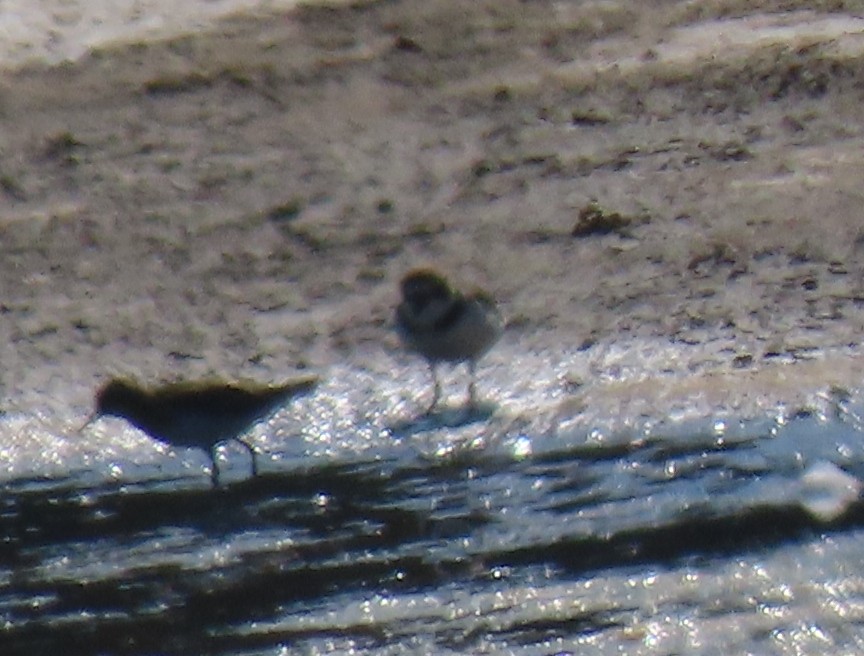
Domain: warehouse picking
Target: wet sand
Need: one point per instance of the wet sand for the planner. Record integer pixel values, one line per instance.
(673, 188)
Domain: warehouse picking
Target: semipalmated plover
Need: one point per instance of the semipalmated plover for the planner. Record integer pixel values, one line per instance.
(444, 325)
(200, 415)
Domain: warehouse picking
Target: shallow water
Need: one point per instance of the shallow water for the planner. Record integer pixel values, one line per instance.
(506, 531)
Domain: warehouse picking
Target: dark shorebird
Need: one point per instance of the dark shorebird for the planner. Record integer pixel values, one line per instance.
(444, 325)
(200, 415)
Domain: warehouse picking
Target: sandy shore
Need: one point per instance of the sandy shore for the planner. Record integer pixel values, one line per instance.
(242, 202)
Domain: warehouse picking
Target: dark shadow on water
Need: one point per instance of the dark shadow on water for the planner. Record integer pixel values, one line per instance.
(349, 530)
(705, 537)
(342, 529)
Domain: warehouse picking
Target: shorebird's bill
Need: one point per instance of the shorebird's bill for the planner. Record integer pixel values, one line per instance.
(92, 418)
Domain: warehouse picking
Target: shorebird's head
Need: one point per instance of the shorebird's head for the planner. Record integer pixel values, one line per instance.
(115, 397)
(423, 286)
(303, 386)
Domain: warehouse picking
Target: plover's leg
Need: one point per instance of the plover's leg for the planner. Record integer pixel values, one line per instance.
(253, 453)
(436, 394)
(214, 470)
(472, 383)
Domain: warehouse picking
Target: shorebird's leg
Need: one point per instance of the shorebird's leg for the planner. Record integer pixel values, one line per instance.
(472, 383)
(253, 453)
(436, 395)
(214, 470)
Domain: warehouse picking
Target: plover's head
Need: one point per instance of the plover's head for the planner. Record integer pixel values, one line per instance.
(422, 286)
